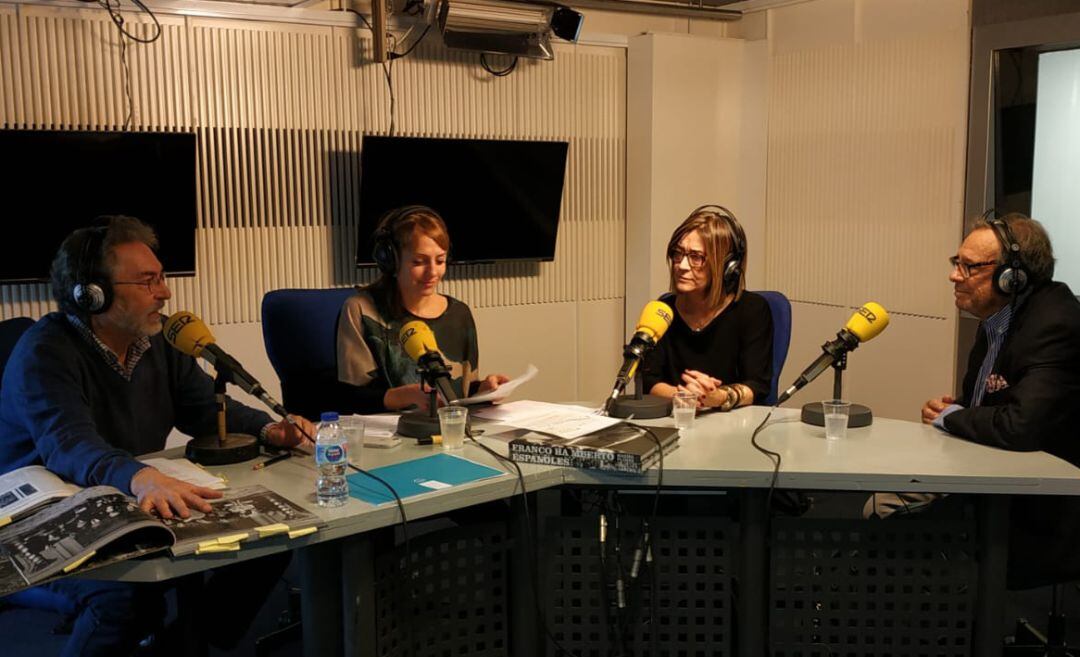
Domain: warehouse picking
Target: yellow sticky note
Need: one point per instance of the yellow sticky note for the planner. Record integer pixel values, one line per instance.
(271, 530)
(233, 538)
(211, 547)
(297, 533)
(72, 566)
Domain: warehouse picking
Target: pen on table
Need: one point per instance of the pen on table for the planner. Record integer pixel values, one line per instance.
(272, 460)
(433, 439)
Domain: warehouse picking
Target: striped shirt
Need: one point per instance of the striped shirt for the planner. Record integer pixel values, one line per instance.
(996, 327)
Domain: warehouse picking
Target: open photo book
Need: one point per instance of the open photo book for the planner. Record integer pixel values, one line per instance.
(54, 528)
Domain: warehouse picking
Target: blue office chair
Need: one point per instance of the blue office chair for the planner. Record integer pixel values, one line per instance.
(780, 308)
(300, 332)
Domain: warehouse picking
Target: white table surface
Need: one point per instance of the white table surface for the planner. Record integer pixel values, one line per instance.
(889, 455)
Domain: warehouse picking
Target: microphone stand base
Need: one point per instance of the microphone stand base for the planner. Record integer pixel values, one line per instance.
(236, 448)
(418, 424)
(861, 416)
(649, 407)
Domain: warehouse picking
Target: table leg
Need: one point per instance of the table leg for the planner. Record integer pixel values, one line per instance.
(526, 635)
(358, 595)
(993, 524)
(320, 599)
(753, 574)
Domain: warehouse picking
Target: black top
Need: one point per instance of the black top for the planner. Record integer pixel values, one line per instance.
(735, 347)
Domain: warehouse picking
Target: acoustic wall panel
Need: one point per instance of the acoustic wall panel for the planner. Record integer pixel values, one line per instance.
(280, 111)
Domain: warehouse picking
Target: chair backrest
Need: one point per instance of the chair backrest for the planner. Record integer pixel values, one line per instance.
(10, 332)
(300, 332)
(300, 329)
(780, 308)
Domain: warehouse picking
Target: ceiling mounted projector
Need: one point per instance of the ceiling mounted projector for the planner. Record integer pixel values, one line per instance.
(506, 28)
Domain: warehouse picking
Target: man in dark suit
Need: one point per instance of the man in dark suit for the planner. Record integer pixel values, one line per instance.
(1022, 388)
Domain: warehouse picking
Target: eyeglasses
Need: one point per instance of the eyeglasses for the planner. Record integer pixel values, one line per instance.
(696, 258)
(157, 281)
(966, 268)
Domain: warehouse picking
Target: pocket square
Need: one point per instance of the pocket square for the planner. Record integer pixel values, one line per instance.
(995, 383)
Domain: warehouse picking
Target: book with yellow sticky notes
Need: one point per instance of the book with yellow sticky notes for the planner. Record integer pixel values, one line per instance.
(100, 525)
(240, 516)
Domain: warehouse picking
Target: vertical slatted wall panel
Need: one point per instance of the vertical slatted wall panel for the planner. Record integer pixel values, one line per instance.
(280, 111)
(862, 187)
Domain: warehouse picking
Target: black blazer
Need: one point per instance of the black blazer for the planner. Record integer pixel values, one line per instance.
(1040, 363)
(1039, 409)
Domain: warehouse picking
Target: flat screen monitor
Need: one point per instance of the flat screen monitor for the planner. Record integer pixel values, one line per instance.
(500, 199)
(57, 181)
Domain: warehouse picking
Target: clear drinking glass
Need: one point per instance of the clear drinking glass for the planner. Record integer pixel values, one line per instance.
(353, 428)
(452, 421)
(684, 409)
(837, 412)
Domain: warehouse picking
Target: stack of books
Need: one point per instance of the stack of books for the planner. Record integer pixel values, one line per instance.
(620, 448)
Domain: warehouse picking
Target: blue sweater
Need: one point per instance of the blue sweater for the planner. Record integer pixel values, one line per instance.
(63, 406)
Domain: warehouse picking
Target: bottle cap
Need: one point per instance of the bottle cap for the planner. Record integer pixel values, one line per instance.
(328, 416)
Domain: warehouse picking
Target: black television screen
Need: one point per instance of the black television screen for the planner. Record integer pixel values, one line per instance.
(57, 181)
(500, 199)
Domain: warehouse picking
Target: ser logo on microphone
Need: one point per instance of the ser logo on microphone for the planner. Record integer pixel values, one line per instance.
(174, 328)
(662, 313)
(406, 334)
(867, 314)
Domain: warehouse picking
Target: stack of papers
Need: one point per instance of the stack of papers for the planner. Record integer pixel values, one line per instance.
(562, 420)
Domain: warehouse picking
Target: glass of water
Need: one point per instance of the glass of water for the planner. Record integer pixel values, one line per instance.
(452, 421)
(683, 409)
(836, 413)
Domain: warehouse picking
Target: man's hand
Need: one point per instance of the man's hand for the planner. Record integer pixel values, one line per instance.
(289, 434)
(491, 382)
(933, 408)
(169, 497)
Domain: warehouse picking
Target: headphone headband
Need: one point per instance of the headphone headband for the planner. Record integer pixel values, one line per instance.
(1011, 276)
(386, 251)
(92, 292)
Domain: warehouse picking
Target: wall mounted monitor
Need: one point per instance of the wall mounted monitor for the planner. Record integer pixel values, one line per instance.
(500, 199)
(57, 181)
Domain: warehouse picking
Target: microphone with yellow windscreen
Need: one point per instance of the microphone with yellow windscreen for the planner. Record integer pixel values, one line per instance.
(418, 341)
(188, 334)
(864, 325)
(654, 321)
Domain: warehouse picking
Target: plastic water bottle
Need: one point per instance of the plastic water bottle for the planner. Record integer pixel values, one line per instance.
(331, 457)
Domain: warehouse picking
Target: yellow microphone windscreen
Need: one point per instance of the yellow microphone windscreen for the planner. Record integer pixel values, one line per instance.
(655, 319)
(417, 339)
(868, 321)
(187, 333)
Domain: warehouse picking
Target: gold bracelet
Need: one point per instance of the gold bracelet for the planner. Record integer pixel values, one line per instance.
(730, 399)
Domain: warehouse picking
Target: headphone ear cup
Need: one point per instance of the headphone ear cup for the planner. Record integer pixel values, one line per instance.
(385, 254)
(732, 272)
(1009, 280)
(92, 297)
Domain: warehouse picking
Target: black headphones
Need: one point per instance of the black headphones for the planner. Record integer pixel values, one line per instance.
(92, 292)
(385, 251)
(732, 267)
(1010, 277)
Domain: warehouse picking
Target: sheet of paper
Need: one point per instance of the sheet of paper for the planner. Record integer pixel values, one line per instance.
(562, 420)
(185, 470)
(504, 390)
(381, 426)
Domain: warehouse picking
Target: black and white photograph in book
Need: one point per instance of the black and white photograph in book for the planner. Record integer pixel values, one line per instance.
(239, 510)
(70, 532)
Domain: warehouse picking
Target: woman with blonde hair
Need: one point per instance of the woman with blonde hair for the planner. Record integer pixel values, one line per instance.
(411, 250)
(719, 346)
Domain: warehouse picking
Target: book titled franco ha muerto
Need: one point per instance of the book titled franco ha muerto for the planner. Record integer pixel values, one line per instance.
(623, 447)
(52, 528)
